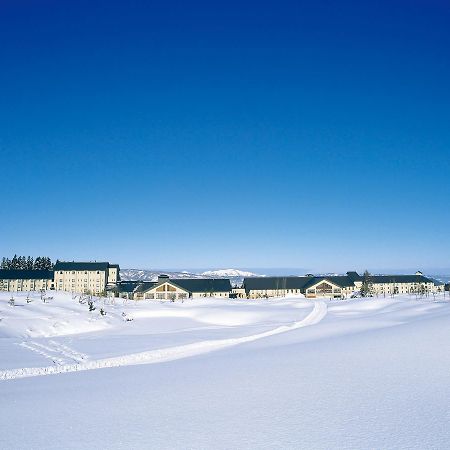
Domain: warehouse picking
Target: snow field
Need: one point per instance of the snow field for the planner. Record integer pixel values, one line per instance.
(284, 373)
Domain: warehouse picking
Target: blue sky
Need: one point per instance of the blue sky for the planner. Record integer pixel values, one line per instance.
(214, 134)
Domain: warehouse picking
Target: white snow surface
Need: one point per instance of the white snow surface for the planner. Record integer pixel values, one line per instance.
(214, 373)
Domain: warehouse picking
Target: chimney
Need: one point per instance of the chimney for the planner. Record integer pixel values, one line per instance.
(162, 278)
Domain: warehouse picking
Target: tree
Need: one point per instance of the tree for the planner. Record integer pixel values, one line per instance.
(30, 263)
(14, 263)
(367, 285)
(37, 263)
(22, 262)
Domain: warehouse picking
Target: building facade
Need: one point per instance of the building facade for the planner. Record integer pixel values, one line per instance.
(19, 280)
(85, 277)
(343, 286)
(166, 288)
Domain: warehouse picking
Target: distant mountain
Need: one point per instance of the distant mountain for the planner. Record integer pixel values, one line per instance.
(235, 275)
(227, 273)
(152, 275)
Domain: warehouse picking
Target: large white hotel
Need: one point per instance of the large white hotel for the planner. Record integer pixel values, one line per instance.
(103, 277)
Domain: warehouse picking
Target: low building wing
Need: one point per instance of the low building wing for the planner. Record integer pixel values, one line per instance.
(21, 274)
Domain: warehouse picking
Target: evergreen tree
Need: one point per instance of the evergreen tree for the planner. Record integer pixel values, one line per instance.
(4, 264)
(367, 285)
(21, 261)
(47, 263)
(30, 263)
(37, 263)
(14, 263)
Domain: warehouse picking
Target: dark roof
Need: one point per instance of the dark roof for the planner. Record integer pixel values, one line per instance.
(203, 284)
(72, 265)
(436, 282)
(21, 274)
(354, 276)
(145, 286)
(284, 283)
(400, 279)
(275, 283)
(126, 286)
(339, 280)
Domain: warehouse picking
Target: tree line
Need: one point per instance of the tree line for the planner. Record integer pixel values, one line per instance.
(27, 263)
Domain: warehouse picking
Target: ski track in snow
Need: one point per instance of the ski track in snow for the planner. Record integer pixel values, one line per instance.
(60, 354)
(154, 356)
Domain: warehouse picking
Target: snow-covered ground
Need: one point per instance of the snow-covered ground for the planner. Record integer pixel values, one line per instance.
(214, 373)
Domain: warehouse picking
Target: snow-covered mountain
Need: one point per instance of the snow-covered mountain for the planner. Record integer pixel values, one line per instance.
(235, 275)
(152, 275)
(227, 273)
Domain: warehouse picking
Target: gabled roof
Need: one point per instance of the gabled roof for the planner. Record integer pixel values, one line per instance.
(204, 285)
(80, 266)
(341, 281)
(22, 274)
(300, 283)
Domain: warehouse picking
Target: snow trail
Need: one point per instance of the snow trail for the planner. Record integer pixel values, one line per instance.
(166, 354)
(60, 354)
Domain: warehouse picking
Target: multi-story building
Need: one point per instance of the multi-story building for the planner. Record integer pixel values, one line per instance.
(17, 280)
(85, 277)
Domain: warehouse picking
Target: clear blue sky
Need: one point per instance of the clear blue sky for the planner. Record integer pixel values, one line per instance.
(213, 134)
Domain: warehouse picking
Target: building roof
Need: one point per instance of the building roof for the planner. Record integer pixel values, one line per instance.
(205, 285)
(25, 274)
(436, 282)
(400, 279)
(339, 280)
(354, 276)
(145, 286)
(125, 286)
(80, 266)
(275, 283)
(300, 283)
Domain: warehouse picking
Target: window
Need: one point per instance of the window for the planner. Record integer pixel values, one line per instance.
(324, 288)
